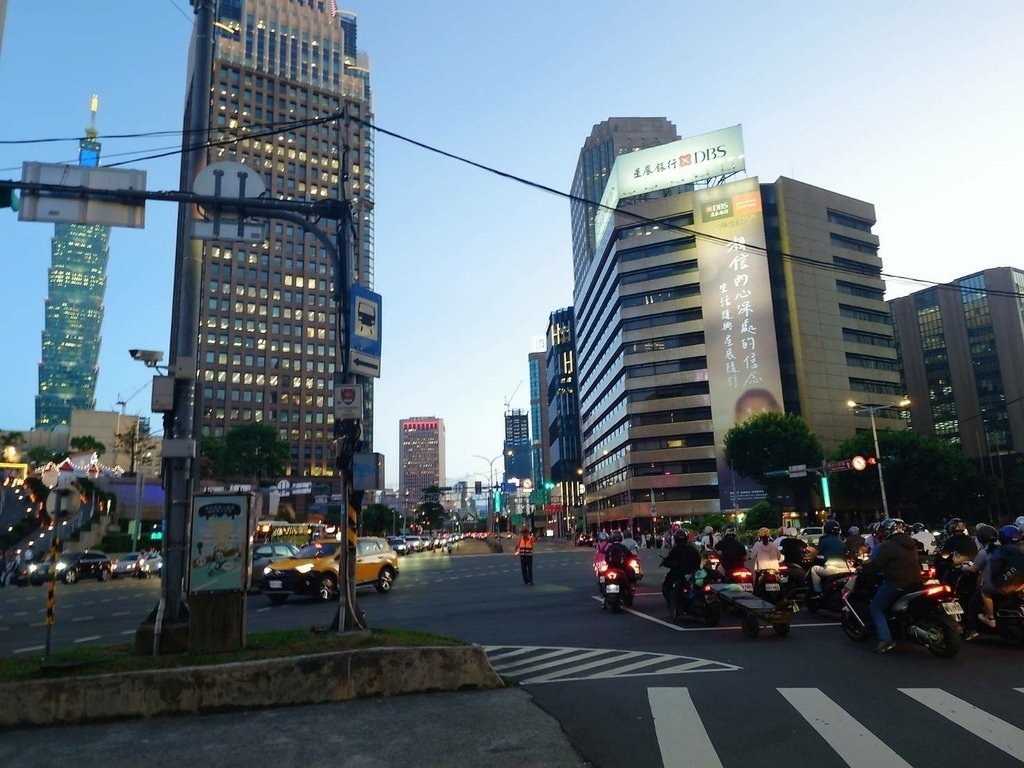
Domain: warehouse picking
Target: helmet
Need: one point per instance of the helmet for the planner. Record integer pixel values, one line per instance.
(730, 530)
(616, 535)
(791, 532)
(602, 536)
(1019, 522)
(763, 532)
(956, 525)
(874, 527)
(708, 529)
(854, 530)
(917, 527)
(680, 537)
(985, 533)
(1009, 534)
(891, 526)
(831, 528)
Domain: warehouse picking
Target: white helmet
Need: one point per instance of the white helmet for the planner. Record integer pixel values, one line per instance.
(1019, 522)
(791, 531)
(708, 529)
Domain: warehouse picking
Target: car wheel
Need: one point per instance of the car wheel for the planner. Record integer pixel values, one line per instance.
(104, 574)
(327, 589)
(70, 576)
(385, 581)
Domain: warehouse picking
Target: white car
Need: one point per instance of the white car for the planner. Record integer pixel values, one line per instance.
(139, 564)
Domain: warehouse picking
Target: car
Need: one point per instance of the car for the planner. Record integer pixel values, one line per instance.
(138, 564)
(415, 542)
(31, 572)
(398, 544)
(585, 540)
(264, 554)
(314, 570)
(72, 566)
(812, 534)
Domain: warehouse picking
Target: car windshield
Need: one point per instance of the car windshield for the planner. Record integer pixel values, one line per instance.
(318, 549)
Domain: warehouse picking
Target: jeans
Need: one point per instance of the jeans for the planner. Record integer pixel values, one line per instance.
(526, 565)
(884, 597)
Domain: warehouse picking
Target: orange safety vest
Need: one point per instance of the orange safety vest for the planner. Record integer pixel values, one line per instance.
(525, 545)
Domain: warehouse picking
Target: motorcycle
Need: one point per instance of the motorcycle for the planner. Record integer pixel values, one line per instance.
(930, 616)
(618, 585)
(692, 595)
(1009, 616)
(830, 598)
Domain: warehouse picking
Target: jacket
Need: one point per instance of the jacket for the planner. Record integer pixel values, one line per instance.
(896, 560)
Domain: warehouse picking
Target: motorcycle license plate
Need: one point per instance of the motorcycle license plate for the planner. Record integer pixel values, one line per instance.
(953, 608)
(611, 588)
(275, 584)
(747, 587)
(772, 587)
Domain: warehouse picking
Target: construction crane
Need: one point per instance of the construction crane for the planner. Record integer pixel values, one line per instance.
(508, 400)
(128, 399)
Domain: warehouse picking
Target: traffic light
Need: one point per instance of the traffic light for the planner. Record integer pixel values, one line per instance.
(872, 460)
(478, 488)
(8, 198)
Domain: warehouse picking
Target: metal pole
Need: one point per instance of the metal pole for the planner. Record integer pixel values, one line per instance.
(878, 460)
(51, 594)
(140, 482)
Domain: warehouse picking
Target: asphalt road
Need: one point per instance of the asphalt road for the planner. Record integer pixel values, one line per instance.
(631, 689)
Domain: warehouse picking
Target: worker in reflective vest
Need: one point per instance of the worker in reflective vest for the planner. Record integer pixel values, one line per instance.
(524, 551)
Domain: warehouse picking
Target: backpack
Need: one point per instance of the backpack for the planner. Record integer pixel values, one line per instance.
(1010, 576)
(617, 555)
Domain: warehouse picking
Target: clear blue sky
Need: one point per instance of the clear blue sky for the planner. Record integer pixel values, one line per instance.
(914, 106)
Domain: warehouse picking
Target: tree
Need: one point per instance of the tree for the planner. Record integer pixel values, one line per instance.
(762, 515)
(87, 443)
(926, 478)
(255, 450)
(137, 443)
(770, 441)
(429, 512)
(211, 458)
(40, 454)
(378, 520)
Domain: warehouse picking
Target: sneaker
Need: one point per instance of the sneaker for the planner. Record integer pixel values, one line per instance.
(972, 635)
(988, 621)
(885, 647)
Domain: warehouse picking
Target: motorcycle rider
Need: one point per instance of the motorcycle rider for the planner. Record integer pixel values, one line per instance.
(988, 537)
(895, 560)
(601, 548)
(924, 537)
(1005, 574)
(682, 560)
(854, 547)
(833, 551)
(708, 539)
(630, 543)
(764, 555)
(732, 554)
(958, 547)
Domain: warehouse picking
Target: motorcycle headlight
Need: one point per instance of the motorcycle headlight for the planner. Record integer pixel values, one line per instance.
(304, 568)
(33, 568)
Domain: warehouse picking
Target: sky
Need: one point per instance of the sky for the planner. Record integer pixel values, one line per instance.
(913, 106)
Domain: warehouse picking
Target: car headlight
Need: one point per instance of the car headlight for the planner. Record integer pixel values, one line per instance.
(267, 570)
(61, 566)
(33, 568)
(304, 568)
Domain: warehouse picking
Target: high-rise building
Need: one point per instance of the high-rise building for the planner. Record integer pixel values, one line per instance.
(607, 141)
(707, 301)
(835, 335)
(518, 460)
(74, 310)
(421, 459)
(290, 92)
(565, 450)
(539, 446)
(961, 346)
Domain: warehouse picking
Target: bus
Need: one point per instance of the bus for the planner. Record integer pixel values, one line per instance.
(299, 534)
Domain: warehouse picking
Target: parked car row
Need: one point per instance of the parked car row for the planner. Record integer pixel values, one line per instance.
(411, 542)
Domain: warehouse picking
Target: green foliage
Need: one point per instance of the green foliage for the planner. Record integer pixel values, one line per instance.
(87, 443)
(926, 479)
(379, 520)
(770, 441)
(253, 451)
(429, 512)
(41, 455)
(762, 514)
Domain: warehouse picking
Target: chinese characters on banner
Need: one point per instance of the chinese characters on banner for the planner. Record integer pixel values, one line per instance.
(739, 328)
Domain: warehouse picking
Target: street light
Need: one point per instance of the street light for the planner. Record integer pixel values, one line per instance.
(490, 492)
(871, 408)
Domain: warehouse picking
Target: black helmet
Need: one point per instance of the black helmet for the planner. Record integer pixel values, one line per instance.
(917, 527)
(985, 533)
(1009, 534)
(616, 535)
(956, 525)
(891, 526)
(730, 530)
(680, 537)
(832, 528)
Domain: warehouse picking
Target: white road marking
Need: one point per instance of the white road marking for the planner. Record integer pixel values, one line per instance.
(29, 649)
(852, 741)
(128, 632)
(682, 737)
(88, 639)
(120, 613)
(82, 618)
(996, 732)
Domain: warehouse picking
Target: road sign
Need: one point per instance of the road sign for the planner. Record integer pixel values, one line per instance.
(231, 181)
(284, 487)
(365, 336)
(75, 207)
(839, 466)
(858, 463)
(348, 402)
(302, 489)
(798, 470)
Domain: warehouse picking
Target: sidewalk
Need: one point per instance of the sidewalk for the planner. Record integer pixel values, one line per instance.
(499, 729)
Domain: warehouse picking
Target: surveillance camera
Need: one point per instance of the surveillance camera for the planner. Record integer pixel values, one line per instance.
(148, 356)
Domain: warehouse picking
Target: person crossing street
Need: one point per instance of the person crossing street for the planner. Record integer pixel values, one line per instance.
(524, 551)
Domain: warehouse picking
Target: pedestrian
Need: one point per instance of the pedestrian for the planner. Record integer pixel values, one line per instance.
(630, 543)
(524, 551)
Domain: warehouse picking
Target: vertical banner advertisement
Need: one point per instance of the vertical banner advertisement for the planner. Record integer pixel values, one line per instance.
(739, 328)
(218, 554)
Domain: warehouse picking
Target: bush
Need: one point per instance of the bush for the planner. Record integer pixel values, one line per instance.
(762, 514)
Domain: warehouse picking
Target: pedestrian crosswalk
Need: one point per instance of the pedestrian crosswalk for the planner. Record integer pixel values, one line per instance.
(539, 664)
(684, 740)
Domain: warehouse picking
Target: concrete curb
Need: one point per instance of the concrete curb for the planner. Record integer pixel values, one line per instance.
(336, 676)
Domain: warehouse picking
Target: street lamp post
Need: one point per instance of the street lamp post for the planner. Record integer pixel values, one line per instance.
(490, 491)
(871, 408)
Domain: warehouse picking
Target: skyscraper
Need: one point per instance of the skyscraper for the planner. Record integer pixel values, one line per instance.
(518, 461)
(74, 309)
(540, 448)
(290, 93)
(565, 449)
(421, 459)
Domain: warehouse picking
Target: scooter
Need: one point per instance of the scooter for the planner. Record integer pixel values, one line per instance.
(692, 595)
(830, 598)
(930, 616)
(618, 585)
(1009, 616)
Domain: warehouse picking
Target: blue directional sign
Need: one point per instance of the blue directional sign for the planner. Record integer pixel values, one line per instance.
(364, 336)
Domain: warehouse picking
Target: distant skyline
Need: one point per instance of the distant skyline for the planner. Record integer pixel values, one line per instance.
(910, 106)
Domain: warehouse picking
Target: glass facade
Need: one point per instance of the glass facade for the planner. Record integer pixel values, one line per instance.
(421, 459)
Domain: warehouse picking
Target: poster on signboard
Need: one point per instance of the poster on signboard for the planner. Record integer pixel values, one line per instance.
(218, 549)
